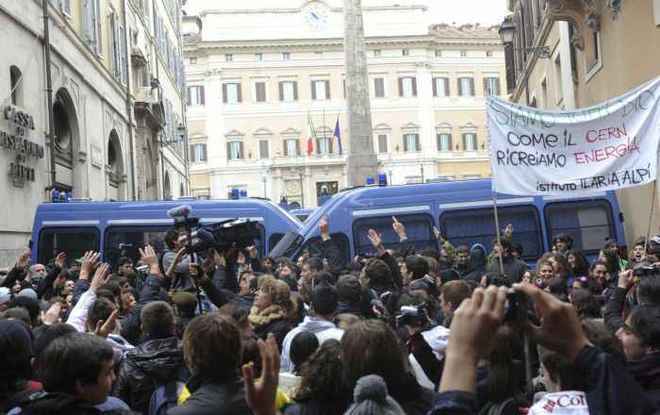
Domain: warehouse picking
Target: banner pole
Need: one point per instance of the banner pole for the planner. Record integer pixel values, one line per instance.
(497, 232)
(651, 212)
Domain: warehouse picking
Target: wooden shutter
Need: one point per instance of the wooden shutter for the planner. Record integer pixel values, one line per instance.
(241, 154)
(418, 144)
(201, 94)
(297, 147)
(239, 92)
(224, 93)
(464, 141)
(281, 85)
(450, 144)
(445, 83)
(497, 86)
(204, 155)
(286, 148)
(471, 86)
(261, 91)
(414, 86)
(228, 151)
(460, 87)
(188, 95)
(192, 152)
(435, 87)
(295, 91)
(313, 90)
(327, 89)
(405, 143)
(400, 87)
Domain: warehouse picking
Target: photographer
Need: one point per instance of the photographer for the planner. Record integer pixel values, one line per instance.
(172, 257)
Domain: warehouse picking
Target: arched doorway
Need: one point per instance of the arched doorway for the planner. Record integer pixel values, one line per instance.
(167, 187)
(66, 137)
(115, 168)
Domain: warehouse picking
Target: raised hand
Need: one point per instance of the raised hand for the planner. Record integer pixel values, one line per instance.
(324, 228)
(260, 395)
(399, 228)
(105, 327)
(376, 241)
(52, 316)
(148, 257)
(60, 259)
(24, 259)
(560, 328)
(508, 231)
(626, 279)
(252, 251)
(89, 261)
(101, 276)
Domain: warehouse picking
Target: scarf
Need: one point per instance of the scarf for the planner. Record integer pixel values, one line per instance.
(271, 313)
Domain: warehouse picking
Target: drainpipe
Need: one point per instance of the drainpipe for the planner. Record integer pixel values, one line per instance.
(129, 109)
(49, 93)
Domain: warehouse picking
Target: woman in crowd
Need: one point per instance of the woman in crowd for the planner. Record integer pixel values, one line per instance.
(272, 309)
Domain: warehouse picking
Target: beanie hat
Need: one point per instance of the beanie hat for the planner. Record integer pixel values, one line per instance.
(28, 292)
(370, 397)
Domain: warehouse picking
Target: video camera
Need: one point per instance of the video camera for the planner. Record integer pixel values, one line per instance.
(412, 315)
(239, 233)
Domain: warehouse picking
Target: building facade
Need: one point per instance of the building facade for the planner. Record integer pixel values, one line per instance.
(266, 91)
(98, 127)
(595, 50)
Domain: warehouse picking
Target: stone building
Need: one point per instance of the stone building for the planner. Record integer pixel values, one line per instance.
(266, 90)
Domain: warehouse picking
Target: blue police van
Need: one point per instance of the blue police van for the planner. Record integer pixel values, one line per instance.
(119, 228)
(302, 214)
(463, 212)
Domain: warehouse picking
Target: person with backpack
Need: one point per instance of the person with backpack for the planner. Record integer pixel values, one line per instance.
(156, 364)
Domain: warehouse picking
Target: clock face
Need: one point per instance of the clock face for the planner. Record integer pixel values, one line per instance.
(316, 15)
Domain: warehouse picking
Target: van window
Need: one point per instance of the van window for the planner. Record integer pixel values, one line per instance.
(588, 223)
(419, 229)
(73, 241)
(273, 240)
(313, 247)
(126, 241)
(469, 226)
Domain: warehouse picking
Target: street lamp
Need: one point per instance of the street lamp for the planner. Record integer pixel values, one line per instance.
(507, 32)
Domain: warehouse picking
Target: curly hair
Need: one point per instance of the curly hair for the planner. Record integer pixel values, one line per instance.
(278, 290)
(321, 377)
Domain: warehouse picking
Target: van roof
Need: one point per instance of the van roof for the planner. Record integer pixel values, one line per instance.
(158, 209)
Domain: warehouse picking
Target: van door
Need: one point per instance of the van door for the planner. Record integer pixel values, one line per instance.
(74, 241)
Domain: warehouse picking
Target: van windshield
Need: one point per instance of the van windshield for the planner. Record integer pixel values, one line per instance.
(73, 241)
(287, 246)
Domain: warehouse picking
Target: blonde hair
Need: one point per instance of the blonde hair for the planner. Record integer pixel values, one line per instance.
(277, 290)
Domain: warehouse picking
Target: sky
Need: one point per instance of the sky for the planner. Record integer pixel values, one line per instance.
(485, 12)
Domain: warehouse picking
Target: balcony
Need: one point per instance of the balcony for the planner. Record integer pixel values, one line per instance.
(148, 104)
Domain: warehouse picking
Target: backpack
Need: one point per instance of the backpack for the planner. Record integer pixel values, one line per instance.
(165, 397)
(502, 408)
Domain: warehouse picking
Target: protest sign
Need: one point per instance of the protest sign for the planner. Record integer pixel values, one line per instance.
(605, 147)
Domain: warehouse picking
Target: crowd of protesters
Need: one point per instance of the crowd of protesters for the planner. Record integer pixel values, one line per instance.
(441, 330)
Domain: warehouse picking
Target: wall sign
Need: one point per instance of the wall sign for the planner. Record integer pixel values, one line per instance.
(15, 140)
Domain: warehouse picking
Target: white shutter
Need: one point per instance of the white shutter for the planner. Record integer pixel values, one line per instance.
(122, 55)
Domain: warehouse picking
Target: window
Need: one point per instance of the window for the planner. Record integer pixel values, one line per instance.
(314, 248)
(264, 150)
(469, 142)
(74, 241)
(469, 226)
(441, 87)
(377, 52)
(231, 93)
(193, 61)
(195, 95)
(91, 24)
(229, 57)
(288, 91)
(411, 143)
(115, 46)
(587, 222)
(125, 241)
(382, 143)
(405, 52)
(438, 53)
(379, 87)
(463, 53)
(466, 87)
(491, 86)
(235, 150)
(259, 57)
(489, 53)
(198, 152)
(291, 147)
(407, 86)
(444, 142)
(15, 77)
(323, 145)
(344, 86)
(260, 91)
(320, 90)
(286, 56)
(419, 229)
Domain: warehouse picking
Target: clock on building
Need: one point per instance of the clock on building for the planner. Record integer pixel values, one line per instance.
(317, 15)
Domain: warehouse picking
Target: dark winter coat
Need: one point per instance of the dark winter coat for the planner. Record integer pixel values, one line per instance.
(213, 398)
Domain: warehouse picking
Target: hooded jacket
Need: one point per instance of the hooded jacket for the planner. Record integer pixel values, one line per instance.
(153, 363)
(312, 325)
(478, 260)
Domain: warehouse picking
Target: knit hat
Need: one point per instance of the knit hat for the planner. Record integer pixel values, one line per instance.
(28, 292)
(370, 397)
(5, 295)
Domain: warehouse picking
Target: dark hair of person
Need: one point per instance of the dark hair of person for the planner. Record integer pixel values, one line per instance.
(645, 323)
(585, 303)
(612, 262)
(99, 311)
(648, 290)
(504, 378)
(561, 370)
(321, 379)
(15, 348)
(73, 358)
(557, 287)
(518, 247)
(157, 319)
(581, 263)
(28, 304)
(315, 263)
(212, 347)
(105, 293)
(379, 274)
(417, 265)
(599, 335)
(113, 286)
(303, 345)
(371, 347)
(17, 313)
(349, 289)
(324, 300)
(44, 335)
(124, 260)
(596, 263)
(170, 238)
(455, 292)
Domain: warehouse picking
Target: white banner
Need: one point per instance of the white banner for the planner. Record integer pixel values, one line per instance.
(605, 147)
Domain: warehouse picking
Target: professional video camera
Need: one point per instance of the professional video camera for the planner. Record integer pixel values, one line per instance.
(653, 247)
(239, 233)
(413, 315)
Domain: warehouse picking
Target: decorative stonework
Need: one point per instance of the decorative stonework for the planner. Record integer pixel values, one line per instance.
(582, 13)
